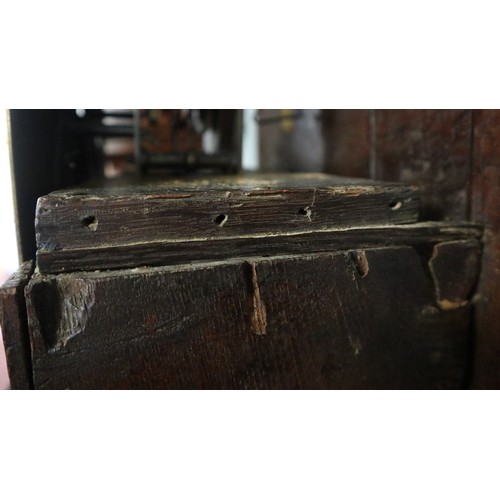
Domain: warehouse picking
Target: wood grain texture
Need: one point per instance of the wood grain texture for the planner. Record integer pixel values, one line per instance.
(357, 319)
(485, 209)
(428, 148)
(15, 328)
(455, 267)
(273, 244)
(116, 220)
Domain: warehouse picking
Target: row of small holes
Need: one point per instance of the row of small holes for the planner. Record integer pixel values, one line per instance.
(90, 222)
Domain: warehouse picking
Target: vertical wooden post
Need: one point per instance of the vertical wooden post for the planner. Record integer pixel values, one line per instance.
(485, 208)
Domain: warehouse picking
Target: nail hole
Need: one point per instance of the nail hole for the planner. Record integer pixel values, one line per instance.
(305, 211)
(395, 205)
(221, 219)
(90, 222)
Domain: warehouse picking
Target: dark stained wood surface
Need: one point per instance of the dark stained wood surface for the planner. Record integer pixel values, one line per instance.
(364, 318)
(15, 328)
(93, 221)
(348, 141)
(455, 267)
(277, 243)
(453, 156)
(434, 149)
(429, 148)
(485, 208)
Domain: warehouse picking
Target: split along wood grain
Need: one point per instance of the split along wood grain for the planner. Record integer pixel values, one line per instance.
(88, 220)
(171, 252)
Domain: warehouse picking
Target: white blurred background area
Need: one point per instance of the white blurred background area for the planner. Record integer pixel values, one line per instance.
(9, 260)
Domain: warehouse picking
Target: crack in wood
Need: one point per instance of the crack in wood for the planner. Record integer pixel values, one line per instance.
(360, 262)
(259, 314)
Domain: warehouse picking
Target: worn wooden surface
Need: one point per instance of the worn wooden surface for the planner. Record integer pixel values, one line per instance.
(429, 148)
(279, 243)
(453, 156)
(348, 143)
(15, 328)
(432, 149)
(454, 266)
(485, 208)
(436, 150)
(356, 319)
(84, 223)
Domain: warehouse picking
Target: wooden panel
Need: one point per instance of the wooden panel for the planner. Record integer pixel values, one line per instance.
(454, 267)
(485, 208)
(15, 328)
(113, 220)
(357, 319)
(347, 141)
(430, 148)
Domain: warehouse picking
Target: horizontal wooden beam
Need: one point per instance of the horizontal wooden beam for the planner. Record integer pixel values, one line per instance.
(209, 213)
(170, 252)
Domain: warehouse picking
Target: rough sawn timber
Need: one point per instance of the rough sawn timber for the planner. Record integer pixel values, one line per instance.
(76, 224)
(364, 318)
(273, 244)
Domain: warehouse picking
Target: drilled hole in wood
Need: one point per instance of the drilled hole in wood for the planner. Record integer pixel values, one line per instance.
(395, 205)
(221, 219)
(90, 222)
(305, 211)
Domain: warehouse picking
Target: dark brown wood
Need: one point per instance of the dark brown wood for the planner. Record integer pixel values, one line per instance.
(485, 208)
(274, 244)
(358, 319)
(437, 150)
(347, 135)
(455, 268)
(15, 328)
(429, 148)
(114, 221)
(453, 156)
